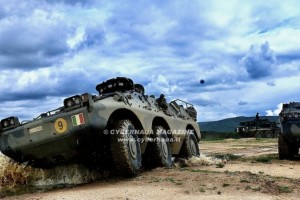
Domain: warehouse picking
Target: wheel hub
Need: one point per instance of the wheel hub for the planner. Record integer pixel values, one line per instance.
(193, 148)
(132, 147)
(164, 148)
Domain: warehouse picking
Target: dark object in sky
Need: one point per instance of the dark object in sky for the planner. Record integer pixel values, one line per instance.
(202, 81)
(289, 139)
(113, 129)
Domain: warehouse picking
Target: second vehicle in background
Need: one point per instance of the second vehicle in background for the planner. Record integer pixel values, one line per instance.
(259, 128)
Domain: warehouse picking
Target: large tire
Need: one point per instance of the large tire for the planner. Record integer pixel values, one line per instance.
(125, 147)
(259, 134)
(269, 134)
(189, 147)
(158, 152)
(285, 148)
(295, 149)
(276, 133)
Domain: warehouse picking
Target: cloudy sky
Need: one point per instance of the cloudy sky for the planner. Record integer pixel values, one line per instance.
(247, 52)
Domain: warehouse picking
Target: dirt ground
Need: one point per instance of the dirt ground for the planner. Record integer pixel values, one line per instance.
(243, 169)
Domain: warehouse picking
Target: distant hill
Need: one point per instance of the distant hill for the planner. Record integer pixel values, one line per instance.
(229, 124)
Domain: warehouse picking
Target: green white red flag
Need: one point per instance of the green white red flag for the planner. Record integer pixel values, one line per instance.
(77, 119)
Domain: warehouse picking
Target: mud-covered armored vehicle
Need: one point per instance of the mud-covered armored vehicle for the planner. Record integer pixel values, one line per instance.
(289, 139)
(119, 126)
(259, 128)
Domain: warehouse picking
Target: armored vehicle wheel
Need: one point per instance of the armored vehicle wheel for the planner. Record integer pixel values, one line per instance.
(190, 147)
(295, 150)
(268, 134)
(125, 147)
(276, 134)
(259, 134)
(158, 152)
(285, 148)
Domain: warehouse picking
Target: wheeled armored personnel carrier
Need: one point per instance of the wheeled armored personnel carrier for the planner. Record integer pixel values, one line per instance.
(289, 139)
(121, 125)
(261, 128)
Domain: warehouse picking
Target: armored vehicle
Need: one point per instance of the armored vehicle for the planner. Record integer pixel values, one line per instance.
(259, 128)
(289, 139)
(120, 125)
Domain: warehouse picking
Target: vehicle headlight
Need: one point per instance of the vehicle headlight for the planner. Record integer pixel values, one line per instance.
(70, 103)
(5, 124)
(77, 100)
(73, 101)
(85, 97)
(9, 122)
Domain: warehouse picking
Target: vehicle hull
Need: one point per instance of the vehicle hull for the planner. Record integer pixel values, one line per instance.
(58, 139)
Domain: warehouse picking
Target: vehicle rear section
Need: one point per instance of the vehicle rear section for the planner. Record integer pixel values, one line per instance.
(49, 140)
(289, 139)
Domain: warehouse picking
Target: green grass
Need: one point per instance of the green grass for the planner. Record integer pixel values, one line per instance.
(155, 180)
(244, 180)
(204, 171)
(220, 165)
(266, 159)
(227, 156)
(285, 189)
(248, 187)
(213, 136)
(256, 188)
(168, 179)
(262, 159)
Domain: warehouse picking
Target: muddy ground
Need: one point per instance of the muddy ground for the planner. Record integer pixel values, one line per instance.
(243, 169)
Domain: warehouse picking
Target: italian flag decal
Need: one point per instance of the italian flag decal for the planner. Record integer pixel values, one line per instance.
(77, 119)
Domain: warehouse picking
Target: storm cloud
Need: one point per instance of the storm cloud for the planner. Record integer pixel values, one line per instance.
(50, 50)
(32, 40)
(259, 61)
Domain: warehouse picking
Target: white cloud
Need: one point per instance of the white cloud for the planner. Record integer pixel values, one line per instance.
(75, 39)
(259, 62)
(274, 112)
(160, 83)
(50, 48)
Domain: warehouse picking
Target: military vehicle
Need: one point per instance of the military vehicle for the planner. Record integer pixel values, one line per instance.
(120, 125)
(259, 128)
(289, 139)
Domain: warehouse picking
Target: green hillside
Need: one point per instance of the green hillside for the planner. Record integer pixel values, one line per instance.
(228, 125)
